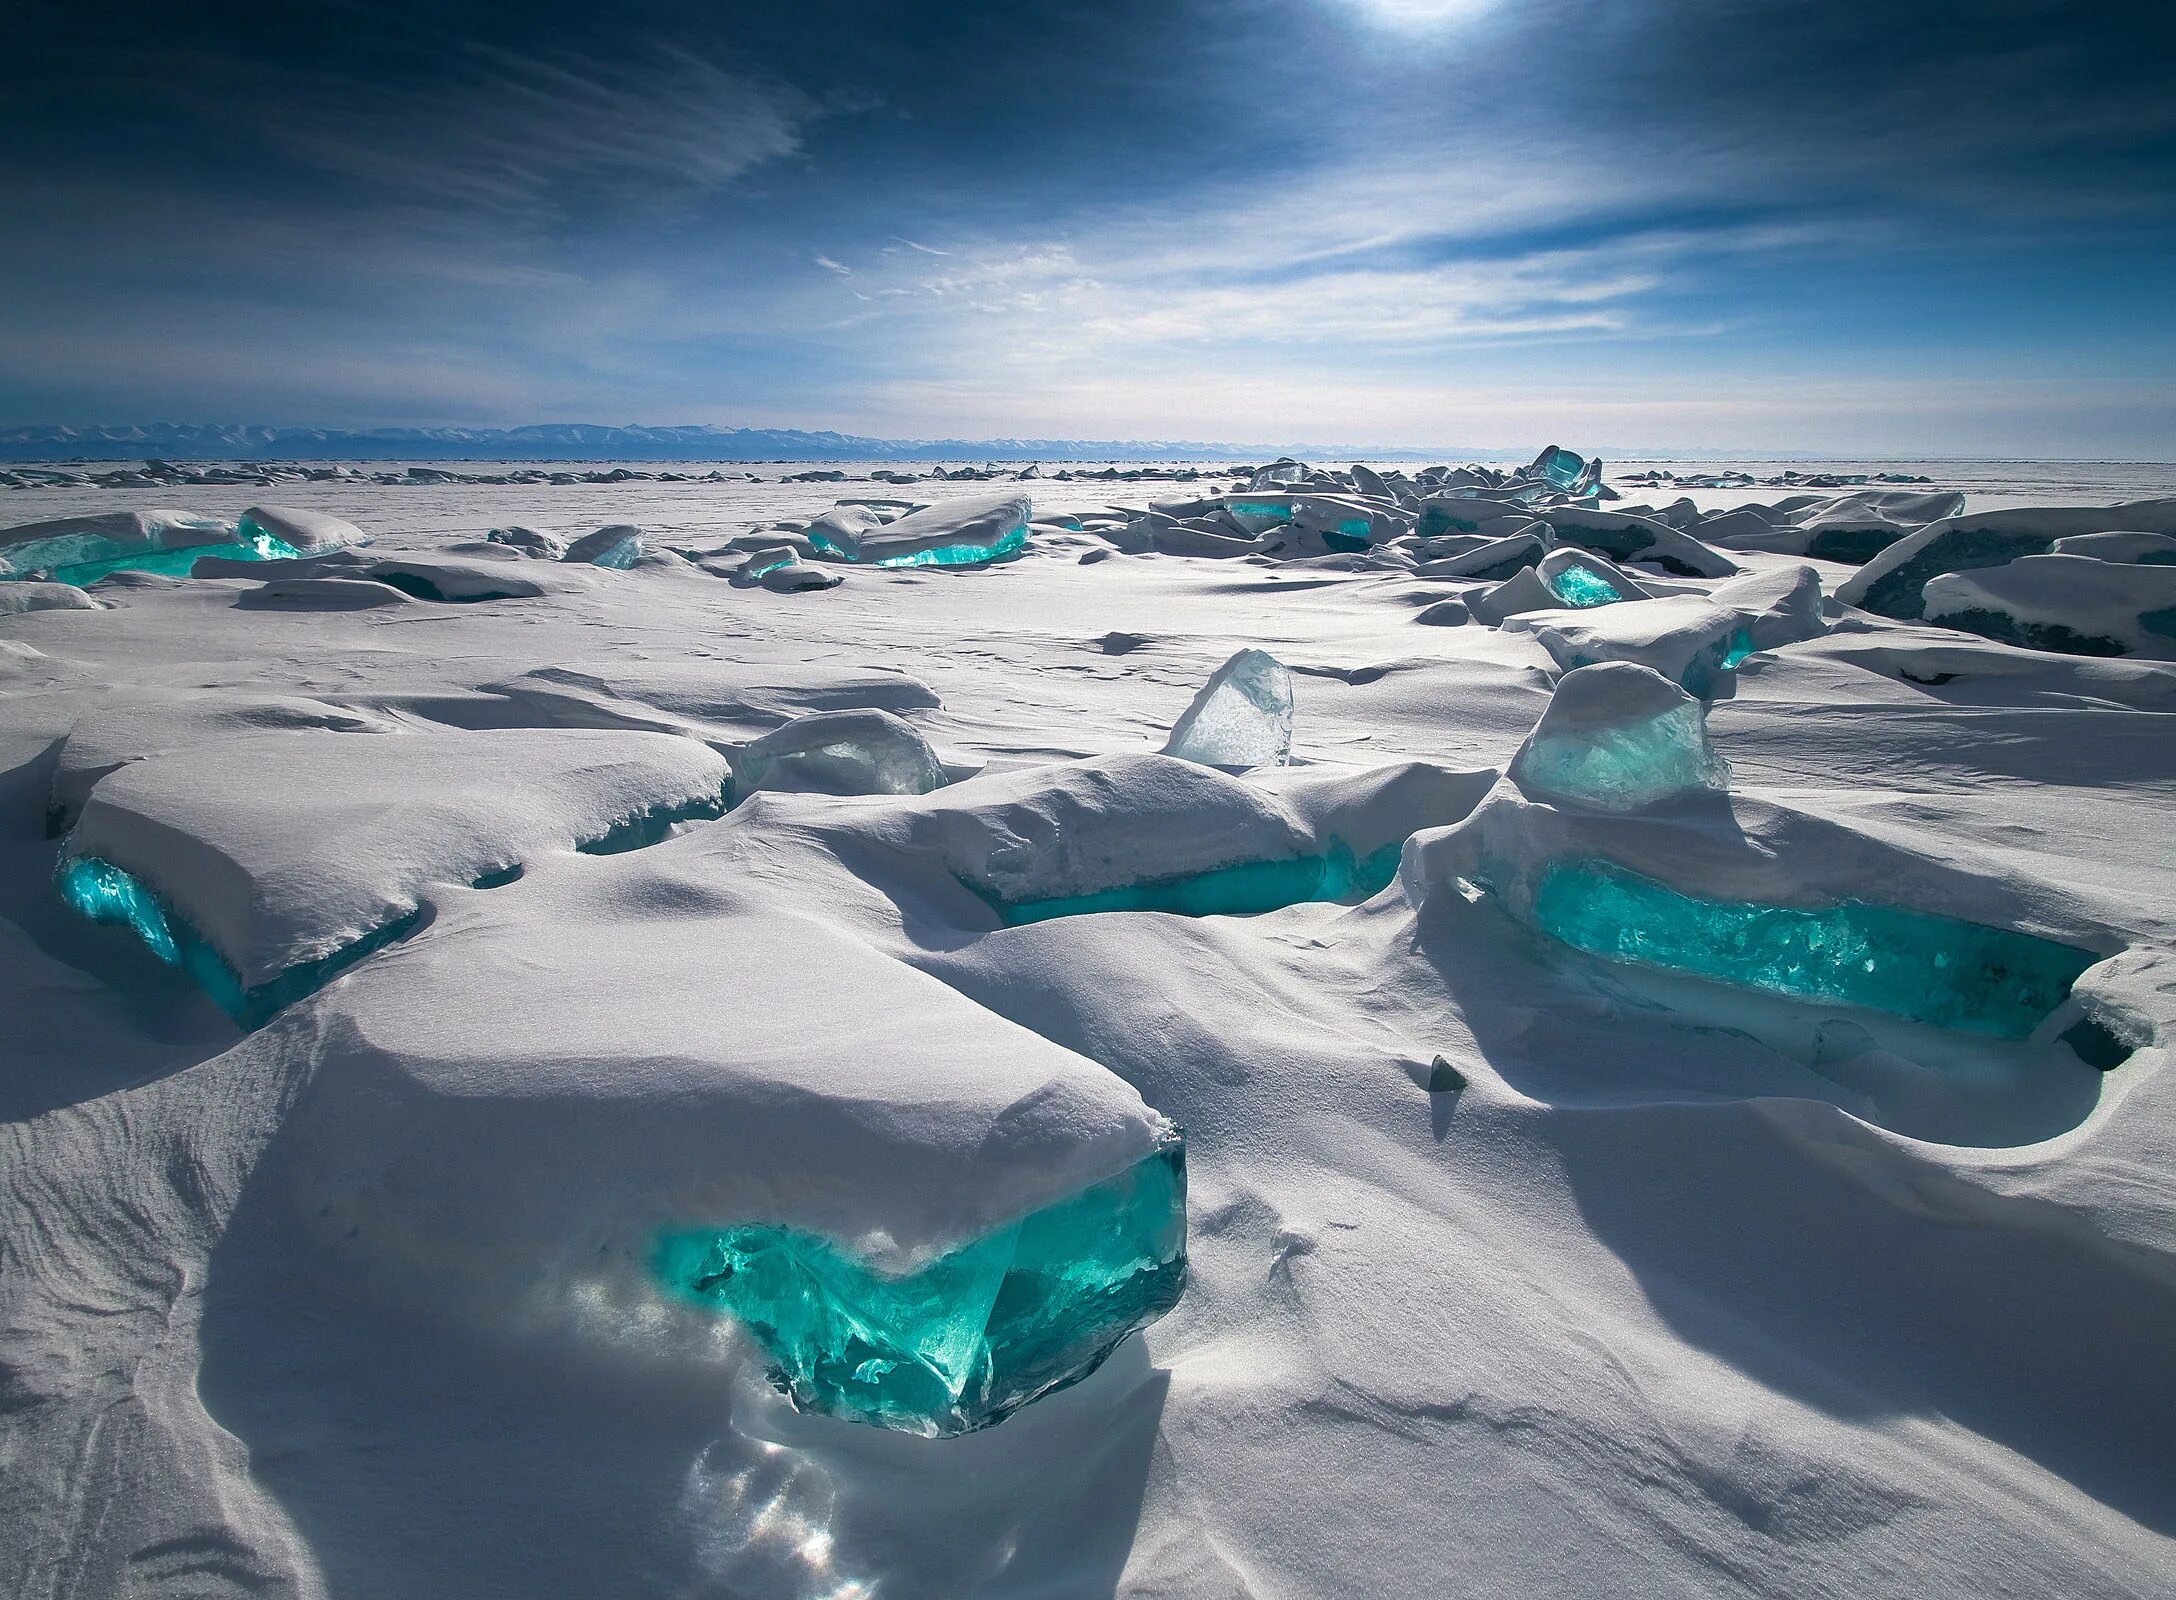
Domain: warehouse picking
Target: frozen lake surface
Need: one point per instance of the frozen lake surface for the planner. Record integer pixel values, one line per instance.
(1730, 1151)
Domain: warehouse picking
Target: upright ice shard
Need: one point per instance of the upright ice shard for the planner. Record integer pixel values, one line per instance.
(1618, 737)
(973, 1336)
(1241, 718)
(1562, 468)
(840, 752)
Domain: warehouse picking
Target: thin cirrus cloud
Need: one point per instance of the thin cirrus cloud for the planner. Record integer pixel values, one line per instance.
(529, 134)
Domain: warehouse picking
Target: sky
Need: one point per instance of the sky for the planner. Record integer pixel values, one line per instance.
(1891, 229)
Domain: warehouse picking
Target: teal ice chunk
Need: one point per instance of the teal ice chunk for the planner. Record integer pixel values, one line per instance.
(1561, 467)
(1246, 889)
(104, 892)
(1582, 587)
(176, 563)
(950, 555)
(616, 546)
(1914, 964)
(973, 1336)
(1267, 510)
(961, 555)
(1739, 647)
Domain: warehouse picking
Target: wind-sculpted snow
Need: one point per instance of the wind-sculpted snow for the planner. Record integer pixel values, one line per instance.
(1635, 1140)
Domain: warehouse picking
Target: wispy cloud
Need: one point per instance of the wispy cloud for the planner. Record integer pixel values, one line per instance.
(518, 133)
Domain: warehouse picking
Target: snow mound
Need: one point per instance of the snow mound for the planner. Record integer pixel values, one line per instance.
(31, 595)
(307, 533)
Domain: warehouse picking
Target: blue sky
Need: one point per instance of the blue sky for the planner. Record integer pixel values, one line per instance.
(1908, 228)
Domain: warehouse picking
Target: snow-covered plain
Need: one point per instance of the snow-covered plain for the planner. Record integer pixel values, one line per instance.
(1511, 1270)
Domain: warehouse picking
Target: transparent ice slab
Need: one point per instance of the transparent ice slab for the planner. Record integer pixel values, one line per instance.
(973, 1336)
(1626, 767)
(1241, 718)
(1913, 964)
(176, 563)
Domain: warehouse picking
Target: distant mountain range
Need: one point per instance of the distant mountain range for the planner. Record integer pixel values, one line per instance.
(581, 441)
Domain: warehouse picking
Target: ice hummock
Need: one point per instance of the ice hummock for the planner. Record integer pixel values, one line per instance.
(956, 533)
(966, 1340)
(1242, 717)
(1619, 737)
(283, 852)
(840, 752)
(2076, 604)
(617, 545)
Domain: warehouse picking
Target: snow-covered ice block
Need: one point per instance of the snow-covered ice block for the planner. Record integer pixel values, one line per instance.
(953, 533)
(1242, 717)
(921, 1215)
(617, 545)
(1770, 898)
(1489, 559)
(2071, 603)
(158, 722)
(1695, 641)
(285, 854)
(1892, 584)
(96, 538)
(840, 752)
(31, 595)
(2138, 549)
(80, 549)
(300, 532)
(1624, 537)
(529, 541)
(1453, 512)
(334, 593)
(1618, 737)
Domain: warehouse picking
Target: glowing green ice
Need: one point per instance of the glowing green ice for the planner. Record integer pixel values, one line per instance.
(973, 1336)
(176, 563)
(949, 555)
(1913, 964)
(107, 893)
(1582, 586)
(1561, 467)
(1244, 890)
